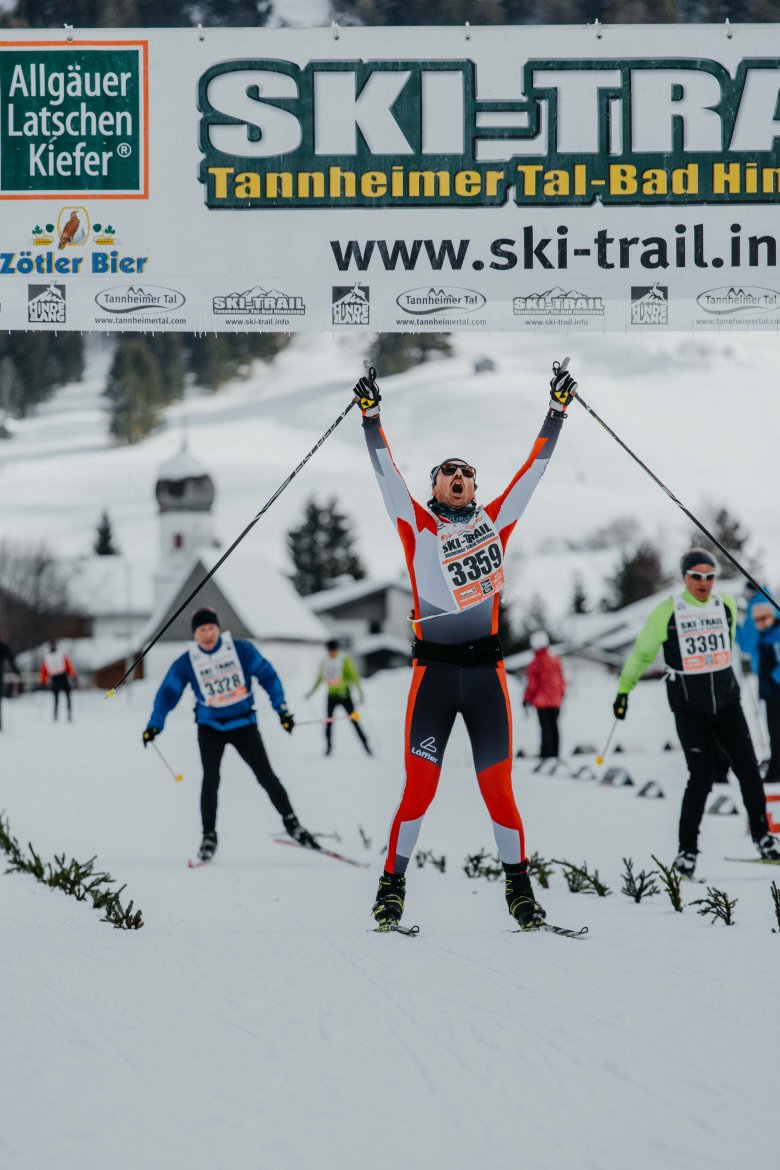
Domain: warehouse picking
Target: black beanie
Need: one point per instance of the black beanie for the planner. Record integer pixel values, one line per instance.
(204, 617)
(696, 556)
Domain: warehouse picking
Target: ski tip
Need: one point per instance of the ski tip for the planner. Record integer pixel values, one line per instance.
(110, 694)
(599, 760)
(178, 778)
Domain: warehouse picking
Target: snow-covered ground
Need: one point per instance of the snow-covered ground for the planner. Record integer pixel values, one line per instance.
(700, 413)
(256, 1021)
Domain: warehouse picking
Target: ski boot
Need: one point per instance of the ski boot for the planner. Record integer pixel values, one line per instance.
(684, 864)
(769, 847)
(298, 833)
(520, 899)
(208, 847)
(389, 904)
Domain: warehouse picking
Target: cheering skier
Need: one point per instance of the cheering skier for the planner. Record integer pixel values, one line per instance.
(454, 551)
(220, 669)
(696, 628)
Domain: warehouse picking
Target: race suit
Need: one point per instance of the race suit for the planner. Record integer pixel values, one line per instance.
(455, 562)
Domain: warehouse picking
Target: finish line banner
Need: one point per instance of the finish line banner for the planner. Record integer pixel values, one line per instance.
(390, 179)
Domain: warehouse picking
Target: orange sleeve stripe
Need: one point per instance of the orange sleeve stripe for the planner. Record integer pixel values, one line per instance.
(494, 507)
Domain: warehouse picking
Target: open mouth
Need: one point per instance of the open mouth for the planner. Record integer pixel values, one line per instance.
(457, 488)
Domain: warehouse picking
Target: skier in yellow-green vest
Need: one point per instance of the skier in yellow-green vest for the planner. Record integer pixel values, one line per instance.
(696, 629)
(339, 674)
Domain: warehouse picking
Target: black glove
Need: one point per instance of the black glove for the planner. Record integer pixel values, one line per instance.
(620, 706)
(286, 719)
(562, 389)
(150, 734)
(367, 395)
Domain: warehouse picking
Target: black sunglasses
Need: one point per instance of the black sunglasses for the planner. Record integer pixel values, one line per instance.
(463, 468)
(701, 576)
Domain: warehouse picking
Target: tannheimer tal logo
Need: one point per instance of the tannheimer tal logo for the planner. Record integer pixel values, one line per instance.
(739, 301)
(435, 301)
(649, 304)
(46, 304)
(350, 304)
(135, 301)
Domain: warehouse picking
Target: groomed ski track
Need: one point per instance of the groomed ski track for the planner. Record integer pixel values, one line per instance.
(256, 1021)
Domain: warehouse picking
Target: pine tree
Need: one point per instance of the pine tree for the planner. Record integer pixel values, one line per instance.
(726, 528)
(32, 365)
(169, 353)
(135, 391)
(321, 548)
(393, 353)
(579, 598)
(511, 640)
(104, 539)
(638, 574)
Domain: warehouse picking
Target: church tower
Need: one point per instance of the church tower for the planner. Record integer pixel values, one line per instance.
(185, 495)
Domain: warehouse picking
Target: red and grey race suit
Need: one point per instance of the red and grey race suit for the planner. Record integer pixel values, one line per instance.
(455, 560)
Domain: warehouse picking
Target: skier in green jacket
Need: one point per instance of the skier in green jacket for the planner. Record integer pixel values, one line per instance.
(696, 629)
(339, 674)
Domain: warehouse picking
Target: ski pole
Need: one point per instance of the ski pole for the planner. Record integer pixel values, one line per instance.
(331, 719)
(176, 775)
(747, 686)
(110, 694)
(600, 759)
(764, 592)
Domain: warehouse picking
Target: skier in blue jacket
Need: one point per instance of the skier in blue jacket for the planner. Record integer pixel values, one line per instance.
(220, 669)
(765, 617)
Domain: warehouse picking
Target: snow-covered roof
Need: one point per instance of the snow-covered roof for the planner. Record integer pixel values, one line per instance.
(371, 643)
(609, 631)
(103, 586)
(338, 595)
(266, 601)
(182, 465)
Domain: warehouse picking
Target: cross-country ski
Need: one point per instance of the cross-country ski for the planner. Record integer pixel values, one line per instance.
(321, 851)
(567, 932)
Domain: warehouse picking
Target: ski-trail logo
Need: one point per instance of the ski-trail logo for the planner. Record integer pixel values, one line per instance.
(558, 302)
(427, 749)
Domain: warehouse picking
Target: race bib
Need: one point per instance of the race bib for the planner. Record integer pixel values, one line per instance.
(220, 675)
(472, 560)
(703, 635)
(332, 670)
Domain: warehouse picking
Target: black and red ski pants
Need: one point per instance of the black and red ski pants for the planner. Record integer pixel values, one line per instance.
(438, 694)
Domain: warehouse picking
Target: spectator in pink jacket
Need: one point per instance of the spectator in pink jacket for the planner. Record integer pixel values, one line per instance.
(544, 687)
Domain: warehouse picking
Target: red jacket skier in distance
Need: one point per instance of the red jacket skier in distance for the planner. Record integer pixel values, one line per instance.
(544, 681)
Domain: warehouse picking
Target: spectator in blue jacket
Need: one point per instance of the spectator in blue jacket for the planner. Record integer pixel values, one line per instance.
(765, 620)
(220, 669)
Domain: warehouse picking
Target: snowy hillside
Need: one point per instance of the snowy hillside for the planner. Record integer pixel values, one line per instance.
(255, 1021)
(700, 413)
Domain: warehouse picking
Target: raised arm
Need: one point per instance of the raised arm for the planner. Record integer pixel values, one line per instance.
(397, 500)
(507, 508)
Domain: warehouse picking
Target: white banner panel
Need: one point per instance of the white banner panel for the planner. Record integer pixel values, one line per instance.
(394, 179)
